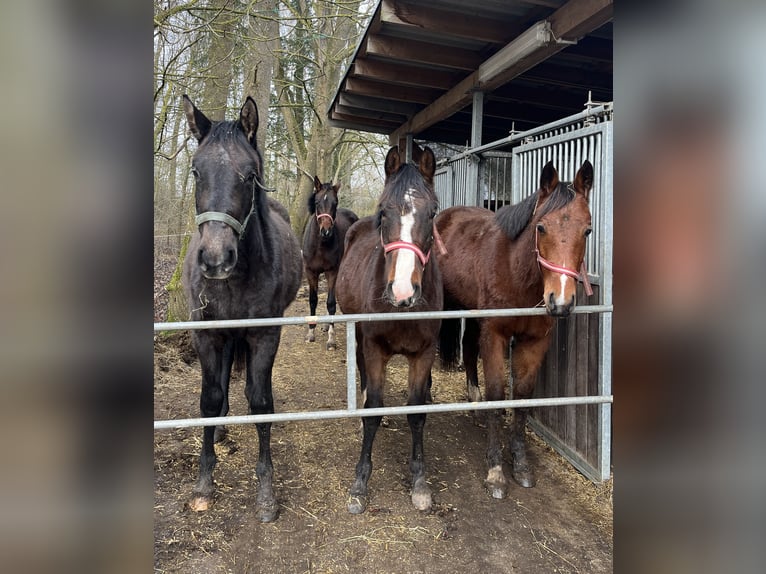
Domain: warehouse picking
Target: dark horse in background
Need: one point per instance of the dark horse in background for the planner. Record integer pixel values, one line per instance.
(388, 268)
(243, 262)
(323, 241)
(525, 255)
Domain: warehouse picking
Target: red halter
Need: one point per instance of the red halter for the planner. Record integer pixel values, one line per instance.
(424, 257)
(581, 276)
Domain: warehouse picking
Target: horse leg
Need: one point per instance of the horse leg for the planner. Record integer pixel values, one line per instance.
(493, 358)
(373, 392)
(526, 359)
(262, 349)
(210, 351)
(331, 276)
(313, 281)
(226, 363)
(471, 359)
(419, 375)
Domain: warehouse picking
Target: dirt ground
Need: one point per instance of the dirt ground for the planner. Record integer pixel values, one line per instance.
(563, 525)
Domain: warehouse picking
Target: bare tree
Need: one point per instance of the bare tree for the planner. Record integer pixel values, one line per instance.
(288, 55)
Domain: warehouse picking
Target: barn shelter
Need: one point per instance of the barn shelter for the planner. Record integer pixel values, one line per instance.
(437, 68)
(508, 86)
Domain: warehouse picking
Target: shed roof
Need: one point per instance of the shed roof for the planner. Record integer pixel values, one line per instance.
(419, 62)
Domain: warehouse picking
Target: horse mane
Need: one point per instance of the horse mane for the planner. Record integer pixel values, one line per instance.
(407, 177)
(311, 203)
(513, 219)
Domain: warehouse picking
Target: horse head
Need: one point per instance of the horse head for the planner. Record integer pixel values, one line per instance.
(562, 222)
(405, 221)
(323, 204)
(227, 169)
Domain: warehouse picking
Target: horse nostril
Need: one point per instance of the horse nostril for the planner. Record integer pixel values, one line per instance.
(231, 256)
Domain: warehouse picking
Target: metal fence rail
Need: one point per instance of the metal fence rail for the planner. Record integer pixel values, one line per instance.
(351, 396)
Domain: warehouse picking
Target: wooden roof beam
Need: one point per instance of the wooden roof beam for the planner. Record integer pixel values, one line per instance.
(421, 53)
(418, 17)
(573, 19)
(405, 76)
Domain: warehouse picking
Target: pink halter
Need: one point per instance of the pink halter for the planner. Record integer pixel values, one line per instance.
(424, 257)
(581, 276)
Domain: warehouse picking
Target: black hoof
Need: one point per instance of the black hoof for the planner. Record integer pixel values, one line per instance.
(331, 346)
(357, 503)
(524, 477)
(267, 512)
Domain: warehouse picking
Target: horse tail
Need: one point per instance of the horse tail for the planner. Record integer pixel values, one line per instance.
(449, 343)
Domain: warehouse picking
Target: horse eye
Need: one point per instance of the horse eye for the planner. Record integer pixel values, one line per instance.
(540, 228)
(588, 232)
(195, 173)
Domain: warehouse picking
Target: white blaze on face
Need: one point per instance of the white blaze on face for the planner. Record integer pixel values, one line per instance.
(405, 259)
(561, 300)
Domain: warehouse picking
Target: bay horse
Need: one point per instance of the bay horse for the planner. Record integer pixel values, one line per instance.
(524, 255)
(388, 268)
(243, 262)
(323, 240)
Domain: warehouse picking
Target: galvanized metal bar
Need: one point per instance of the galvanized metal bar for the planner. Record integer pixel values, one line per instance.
(359, 317)
(381, 411)
(351, 366)
(605, 324)
(521, 136)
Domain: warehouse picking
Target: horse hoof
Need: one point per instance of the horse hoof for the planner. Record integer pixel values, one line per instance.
(331, 346)
(524, 477)
(200, 503)
(496, 483)
(421, 496)
(268, 512)
(310, 338)
(357, 504)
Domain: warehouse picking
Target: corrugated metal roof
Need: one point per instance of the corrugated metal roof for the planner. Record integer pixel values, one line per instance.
(419, 60)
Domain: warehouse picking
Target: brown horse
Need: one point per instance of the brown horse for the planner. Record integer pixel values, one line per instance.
(323, 240)
(388, 268)
(525, 255)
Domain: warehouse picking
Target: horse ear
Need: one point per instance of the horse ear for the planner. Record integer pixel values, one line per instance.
(393, 161)
(198, 122)
(427, 164)
(248, 120)
(417, 153)
(549, 179)
(583, 181)
(317, 184)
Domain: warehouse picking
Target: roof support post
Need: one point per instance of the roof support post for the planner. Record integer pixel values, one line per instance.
(477, 118)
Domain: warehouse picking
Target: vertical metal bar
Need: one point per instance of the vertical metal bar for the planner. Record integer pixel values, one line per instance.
(605, 324)
(477, 120)
(351, 365)
(408, 149)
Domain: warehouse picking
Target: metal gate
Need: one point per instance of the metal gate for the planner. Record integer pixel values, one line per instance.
(587, 396)
(578, 361)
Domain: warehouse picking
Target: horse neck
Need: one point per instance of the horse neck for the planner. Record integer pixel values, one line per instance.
(255, 245)
(518, 256)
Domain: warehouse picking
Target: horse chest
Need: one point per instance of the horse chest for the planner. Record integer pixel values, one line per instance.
(227, 299)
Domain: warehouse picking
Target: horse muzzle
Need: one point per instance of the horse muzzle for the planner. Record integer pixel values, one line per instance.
(216, 264)
(557, 308)
(403, 296)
